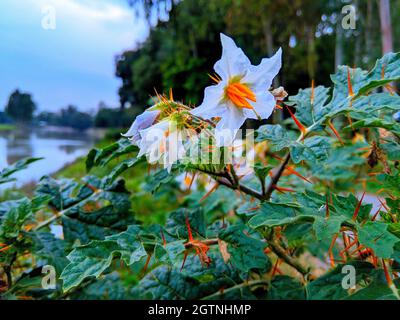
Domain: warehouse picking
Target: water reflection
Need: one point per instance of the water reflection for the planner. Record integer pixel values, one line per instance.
(57, 146)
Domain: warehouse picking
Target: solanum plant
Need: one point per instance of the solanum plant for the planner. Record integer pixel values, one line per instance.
(314, 215)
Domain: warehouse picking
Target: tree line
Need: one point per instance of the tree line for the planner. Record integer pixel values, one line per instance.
(180, 51)
(21, 109)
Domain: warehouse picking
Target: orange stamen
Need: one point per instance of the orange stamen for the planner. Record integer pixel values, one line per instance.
(239, 93)
(215, 78)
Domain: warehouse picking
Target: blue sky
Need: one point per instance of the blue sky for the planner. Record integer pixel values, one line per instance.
(73, 63)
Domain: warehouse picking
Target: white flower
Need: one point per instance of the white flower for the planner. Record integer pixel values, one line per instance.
(162, 143)
(241, 92)
(142, 121)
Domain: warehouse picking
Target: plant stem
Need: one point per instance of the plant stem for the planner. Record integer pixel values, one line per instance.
(63, 212)
(242, 188)
(236, 287)
(280, 252)
(276, 177)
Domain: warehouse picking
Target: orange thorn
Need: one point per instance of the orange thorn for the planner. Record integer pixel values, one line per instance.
(275, 269)
(357, 249)
(312, 92)
(358, 208)
(163, 238)
(184, 260)
(5, 248)
(297, 122)
(292, 171)
(146, 264)
(331, 257)
(283, 190)
(278, 106)
(330, 124)
(349, 85)
(387, 275)
(327, 207)
(189, 230)
(191, 181)
(209, 192)
(376, 214)
(383, 204)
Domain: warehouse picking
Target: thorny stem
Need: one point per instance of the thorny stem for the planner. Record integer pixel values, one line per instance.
(208, 242)
(63, 212)
(242, 188)
(280, 252)
(237, 287)
(276, 177)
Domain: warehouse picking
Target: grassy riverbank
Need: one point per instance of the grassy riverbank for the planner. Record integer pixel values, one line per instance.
(145, 206)
(6, 127)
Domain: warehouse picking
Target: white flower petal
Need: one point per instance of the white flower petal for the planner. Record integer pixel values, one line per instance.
(229, 125)
(210, 106)
(142, 121)
(264, 106)
(233, 61)
(265, 72)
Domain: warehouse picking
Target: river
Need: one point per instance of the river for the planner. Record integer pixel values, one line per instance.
(57, 146)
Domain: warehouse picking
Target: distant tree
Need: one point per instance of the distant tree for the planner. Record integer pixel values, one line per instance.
(114, 118)
(4, 118)
(20, 106)
(72, 117)
(386, 26)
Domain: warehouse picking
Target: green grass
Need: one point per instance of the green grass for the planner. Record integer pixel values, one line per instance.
(7, 127)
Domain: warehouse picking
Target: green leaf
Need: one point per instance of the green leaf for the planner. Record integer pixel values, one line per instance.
(286, 288)
(111, 287)
(6, 173)
(120, 168)
(329, 286)
(276, 135)
(100, 157)
(193, 282)
(246, 252)
(132, 244)
(154, 181)
(86, 261)
(375, 235)
(176, 223)
(12, 221)
(306, 112)
(49, 248)
(390, 182)
(377, 289)
(88, 211)
(313, 149)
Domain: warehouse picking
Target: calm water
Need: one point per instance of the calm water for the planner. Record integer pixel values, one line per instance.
(57, 147)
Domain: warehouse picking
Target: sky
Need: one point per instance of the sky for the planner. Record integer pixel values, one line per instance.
(71, 64)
